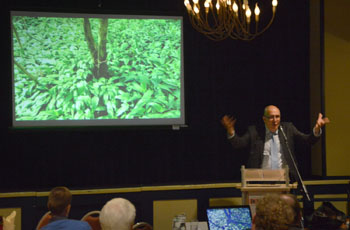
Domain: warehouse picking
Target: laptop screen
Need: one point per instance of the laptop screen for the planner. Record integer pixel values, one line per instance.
(229, 218)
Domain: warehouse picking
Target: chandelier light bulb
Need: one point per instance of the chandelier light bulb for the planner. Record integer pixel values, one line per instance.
(274, 3)
(188, 6)
(195, 1)
(196, 10)
(235, 7)
(248, 13)
(217, 5)
(256, 10)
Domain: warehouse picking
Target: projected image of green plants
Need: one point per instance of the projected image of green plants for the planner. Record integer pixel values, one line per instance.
(96, 68)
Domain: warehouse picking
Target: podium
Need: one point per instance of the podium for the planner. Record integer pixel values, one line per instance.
(258, 182)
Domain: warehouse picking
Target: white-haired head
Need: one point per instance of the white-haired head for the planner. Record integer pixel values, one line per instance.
(117, 214)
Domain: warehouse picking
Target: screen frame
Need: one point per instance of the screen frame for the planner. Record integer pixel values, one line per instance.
(177, 122)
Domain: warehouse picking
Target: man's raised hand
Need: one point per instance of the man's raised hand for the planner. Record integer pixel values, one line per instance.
(229, 123)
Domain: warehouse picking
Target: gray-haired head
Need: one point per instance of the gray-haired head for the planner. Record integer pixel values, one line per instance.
(118, 214)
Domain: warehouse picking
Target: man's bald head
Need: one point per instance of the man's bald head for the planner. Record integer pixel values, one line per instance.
(272, 117)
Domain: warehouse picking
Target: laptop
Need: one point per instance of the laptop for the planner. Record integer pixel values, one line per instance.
(229, 218)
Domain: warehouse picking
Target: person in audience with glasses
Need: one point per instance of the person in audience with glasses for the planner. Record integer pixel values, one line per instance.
(272, 146)
(59, 204)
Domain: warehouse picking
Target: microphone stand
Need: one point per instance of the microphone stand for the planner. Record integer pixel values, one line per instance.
(295, 166)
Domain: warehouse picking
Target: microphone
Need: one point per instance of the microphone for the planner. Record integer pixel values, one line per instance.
(284, 135)
(294, 164)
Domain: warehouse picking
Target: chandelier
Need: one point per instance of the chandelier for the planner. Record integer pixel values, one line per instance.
(227, 18)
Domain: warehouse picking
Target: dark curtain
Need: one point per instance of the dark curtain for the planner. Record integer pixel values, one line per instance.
(228, 77)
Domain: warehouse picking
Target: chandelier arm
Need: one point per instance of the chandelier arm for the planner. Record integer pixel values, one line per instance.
(246, 35)
(213, 35)
(242, 26)
(199, 24)
(251, 36)
(203, 26)
(241, 30)
(267, 26)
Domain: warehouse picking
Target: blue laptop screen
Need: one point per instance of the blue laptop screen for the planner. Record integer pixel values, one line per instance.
(229, 218)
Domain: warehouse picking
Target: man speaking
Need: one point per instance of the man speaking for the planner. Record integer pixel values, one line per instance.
(268, 145)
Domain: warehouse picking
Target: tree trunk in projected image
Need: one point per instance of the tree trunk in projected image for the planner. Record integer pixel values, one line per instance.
(98, 51)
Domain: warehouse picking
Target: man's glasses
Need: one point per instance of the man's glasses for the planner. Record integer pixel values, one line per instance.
(273, 117)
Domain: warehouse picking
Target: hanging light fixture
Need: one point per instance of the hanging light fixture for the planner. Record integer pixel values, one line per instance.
(227, 18)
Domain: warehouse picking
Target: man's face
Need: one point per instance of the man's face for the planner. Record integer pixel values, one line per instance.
(272, 118)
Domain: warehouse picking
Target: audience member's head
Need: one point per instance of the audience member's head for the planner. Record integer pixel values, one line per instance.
(59, 201)
(273, 213)
(293, 202)
(117, 214)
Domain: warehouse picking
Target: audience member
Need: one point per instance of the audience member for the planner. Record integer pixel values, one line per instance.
(273, 213)
(328, 217)
(118, 214)
(59, 204)
(293, 202)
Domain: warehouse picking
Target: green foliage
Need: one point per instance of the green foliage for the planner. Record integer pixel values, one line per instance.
(143, 62)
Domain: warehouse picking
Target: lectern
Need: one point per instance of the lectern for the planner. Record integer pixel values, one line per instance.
(258, 182)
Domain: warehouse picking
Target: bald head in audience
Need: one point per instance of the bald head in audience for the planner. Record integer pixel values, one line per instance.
(292, 201)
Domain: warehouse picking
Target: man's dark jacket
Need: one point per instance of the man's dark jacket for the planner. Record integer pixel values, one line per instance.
(254, 139)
